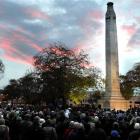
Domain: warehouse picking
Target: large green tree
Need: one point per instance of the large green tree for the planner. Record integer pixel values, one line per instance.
(59, 73)
(60, 69)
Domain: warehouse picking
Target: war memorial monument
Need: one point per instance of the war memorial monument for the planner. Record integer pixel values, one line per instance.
(112, 98)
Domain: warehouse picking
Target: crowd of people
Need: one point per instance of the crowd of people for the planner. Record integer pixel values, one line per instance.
(68, 123)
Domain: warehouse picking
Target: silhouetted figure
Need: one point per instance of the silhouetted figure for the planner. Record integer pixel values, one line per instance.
(97, 133)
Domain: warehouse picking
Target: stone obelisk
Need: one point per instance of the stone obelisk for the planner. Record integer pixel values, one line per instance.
(113, 98)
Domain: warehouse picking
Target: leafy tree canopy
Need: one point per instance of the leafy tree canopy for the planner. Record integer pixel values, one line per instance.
(130, 81)
(63, 71)
(59, 73)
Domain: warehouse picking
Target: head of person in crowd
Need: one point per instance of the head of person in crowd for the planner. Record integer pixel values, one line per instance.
(78, 126)
(96, 118)
(115, 126)
(36, 121)
(2, 121)
(12, 115)
(138, 119)
(97, 124)
(60, 116)
(71, 124)
(41, 122)
(137, 126)
(41, 114)
(27, 117)
(115, 134)
(52, 114)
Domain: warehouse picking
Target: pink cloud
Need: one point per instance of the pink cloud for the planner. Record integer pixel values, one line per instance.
(80, 46)
(96, 14)
(130, 29)
(18, 35)
(96, 57)
(12, 54)
(35, 13)
(23, 31)
(19, 30)
(6, 45)
(22, 38)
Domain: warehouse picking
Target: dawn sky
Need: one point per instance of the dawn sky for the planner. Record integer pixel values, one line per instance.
(27, 26)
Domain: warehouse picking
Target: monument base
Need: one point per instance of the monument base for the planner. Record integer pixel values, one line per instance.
(116, 102)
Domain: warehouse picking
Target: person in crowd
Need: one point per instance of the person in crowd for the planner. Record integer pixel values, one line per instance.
(77, 132)
(135, 134)
(26, 127)
(115, 132)
(4, 130)
(97, 133)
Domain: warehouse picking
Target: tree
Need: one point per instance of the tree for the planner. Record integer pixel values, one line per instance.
(91, 79)
(77, 95)
(130, 81)
(126, 87)
(26, 87)
(133, 75)
(30, 88)
(59, 73)
(60, 70)
(94, 78)
(11, 91)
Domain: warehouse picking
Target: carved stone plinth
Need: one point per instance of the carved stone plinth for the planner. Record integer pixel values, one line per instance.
(116, 102)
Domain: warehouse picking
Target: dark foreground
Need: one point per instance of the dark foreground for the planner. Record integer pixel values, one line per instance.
(75, 123)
